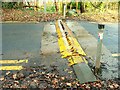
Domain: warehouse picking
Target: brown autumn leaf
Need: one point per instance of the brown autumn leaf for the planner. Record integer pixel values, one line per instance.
(2, 78)
(8, 72)
(14, 76)
(69, 84)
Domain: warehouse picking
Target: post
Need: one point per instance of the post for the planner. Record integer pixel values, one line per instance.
(99, 47)
(44, 2)
(64, 10)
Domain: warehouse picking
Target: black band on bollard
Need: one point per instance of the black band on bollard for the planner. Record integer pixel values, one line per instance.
(101, 26)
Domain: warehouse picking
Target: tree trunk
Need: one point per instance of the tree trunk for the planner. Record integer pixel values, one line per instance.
(56, 6)
(119, 6)
(60, 7)
(21, 5)
(44, 6)
(70, 6)
(76, 5)
(82, 10)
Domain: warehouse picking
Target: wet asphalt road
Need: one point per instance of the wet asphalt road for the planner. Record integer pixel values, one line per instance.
(111, 37)
(24, 40)
(21, 40)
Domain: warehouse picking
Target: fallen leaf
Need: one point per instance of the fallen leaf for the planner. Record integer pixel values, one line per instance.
(69, 84)
(7, 73)
(70, 71)
(111, 86)
(2, 78)
(14, 76)
(62, 78)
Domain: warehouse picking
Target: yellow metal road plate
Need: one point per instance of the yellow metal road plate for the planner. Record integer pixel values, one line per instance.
(77, 46)
(68, 46)
(71, 50)
(61, 44)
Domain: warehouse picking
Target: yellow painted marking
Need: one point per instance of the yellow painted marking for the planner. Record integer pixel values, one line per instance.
(116, 55)
(12, 61)
(11, 67)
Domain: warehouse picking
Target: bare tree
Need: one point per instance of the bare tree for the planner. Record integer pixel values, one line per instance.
(82, 10)
(76, 5)
(56, 6)
(44, 2)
